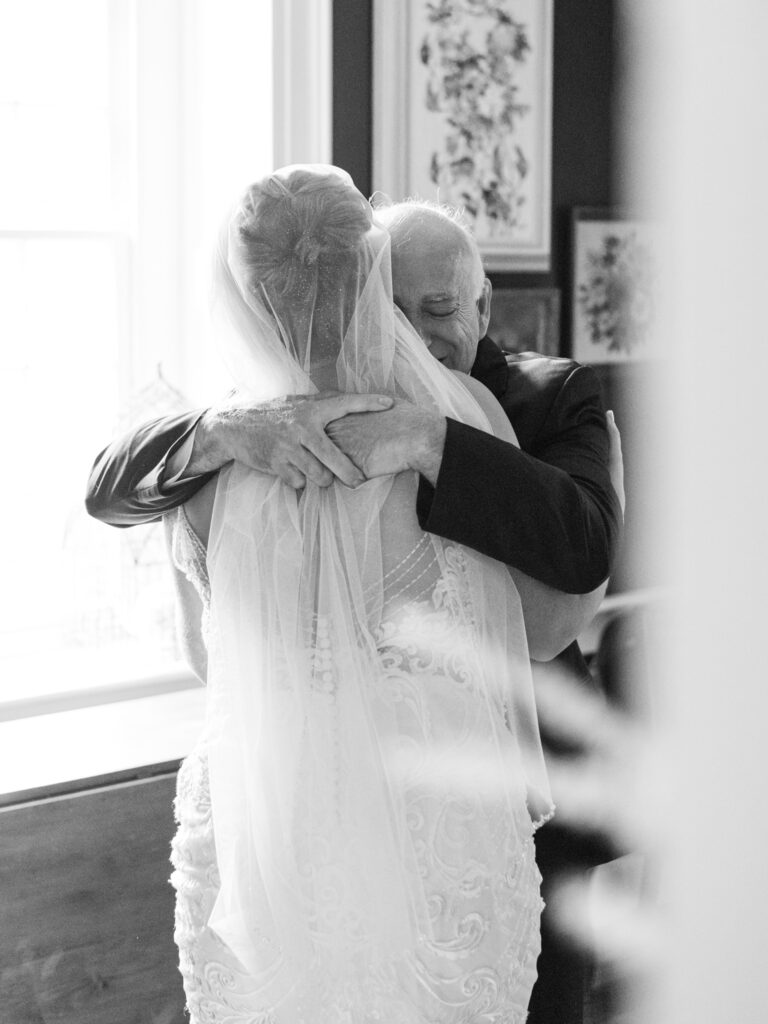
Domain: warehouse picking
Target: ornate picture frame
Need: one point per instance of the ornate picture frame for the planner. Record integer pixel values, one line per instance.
(526, 320)
(462, 114)
(614, 277)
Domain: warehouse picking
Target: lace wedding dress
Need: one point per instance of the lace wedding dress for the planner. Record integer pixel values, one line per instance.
(474, 850)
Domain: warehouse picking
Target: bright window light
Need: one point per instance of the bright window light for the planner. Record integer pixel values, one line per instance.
(127, 127)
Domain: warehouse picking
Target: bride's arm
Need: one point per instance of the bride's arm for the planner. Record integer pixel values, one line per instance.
(189, 610)
(189, 606)
(553, 619)
(199, 510)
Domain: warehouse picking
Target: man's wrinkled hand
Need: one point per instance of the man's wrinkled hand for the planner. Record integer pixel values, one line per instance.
(401, 438)
(286, 437)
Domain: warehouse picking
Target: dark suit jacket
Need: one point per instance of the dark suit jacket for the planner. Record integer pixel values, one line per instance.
(548, 508)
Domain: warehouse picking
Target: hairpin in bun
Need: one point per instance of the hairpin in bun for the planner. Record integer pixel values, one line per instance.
(308, 250)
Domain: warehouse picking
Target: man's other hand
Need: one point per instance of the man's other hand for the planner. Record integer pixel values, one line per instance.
(616, 459)
(285, 437)
(403, 437)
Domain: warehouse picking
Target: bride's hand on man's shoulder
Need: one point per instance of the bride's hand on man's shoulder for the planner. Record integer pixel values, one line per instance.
(392, 441)
(285, 437)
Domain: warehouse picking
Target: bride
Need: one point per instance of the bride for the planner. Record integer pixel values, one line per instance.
(355, 839)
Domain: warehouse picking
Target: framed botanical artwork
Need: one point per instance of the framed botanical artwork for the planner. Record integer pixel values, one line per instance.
(526, 320)
(614, 270)
(462, 114)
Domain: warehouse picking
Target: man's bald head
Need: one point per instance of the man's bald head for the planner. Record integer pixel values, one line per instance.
(416, 224)
(438, 279)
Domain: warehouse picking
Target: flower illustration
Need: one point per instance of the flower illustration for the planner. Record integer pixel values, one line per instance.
(472, 51)
(616, 297)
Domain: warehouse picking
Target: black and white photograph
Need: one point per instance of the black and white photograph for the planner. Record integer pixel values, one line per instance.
(381, 403)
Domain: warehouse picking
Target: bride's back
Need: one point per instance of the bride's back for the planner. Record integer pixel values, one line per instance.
(304, 281)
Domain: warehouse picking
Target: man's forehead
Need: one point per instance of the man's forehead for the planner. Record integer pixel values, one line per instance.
(433, 278)
(418, 229)
(442, 296)
(431, 260)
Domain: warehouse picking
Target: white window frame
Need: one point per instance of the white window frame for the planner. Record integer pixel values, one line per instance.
(150, 208)
(303, 75)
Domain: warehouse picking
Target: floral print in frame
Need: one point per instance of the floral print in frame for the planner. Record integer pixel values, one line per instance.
(614, 278)
(462, 115)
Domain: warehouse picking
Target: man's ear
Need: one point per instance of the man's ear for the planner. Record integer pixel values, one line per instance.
(484, 307)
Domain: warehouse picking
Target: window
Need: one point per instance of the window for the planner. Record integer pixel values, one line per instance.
(129, 126)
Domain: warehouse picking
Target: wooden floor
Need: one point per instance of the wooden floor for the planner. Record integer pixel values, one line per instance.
(86, 910)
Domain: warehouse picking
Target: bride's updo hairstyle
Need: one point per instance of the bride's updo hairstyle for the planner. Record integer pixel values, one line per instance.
(297, 248)
(296, 226)
(301, 286)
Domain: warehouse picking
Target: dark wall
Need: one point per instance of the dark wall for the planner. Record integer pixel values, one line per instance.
(352, 89)
(584, 173)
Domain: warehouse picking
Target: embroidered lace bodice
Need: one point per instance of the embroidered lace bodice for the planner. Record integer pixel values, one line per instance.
(478, 964)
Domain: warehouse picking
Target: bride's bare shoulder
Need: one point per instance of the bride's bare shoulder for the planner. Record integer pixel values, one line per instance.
(489, 404)
(199, 510)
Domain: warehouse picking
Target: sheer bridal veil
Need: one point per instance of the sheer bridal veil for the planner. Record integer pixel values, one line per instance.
(315, 857)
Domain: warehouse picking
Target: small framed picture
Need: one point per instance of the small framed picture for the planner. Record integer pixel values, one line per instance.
(614, 271)
(526, 320)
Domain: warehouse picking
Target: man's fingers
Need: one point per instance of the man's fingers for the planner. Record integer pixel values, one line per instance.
(291, 476)
(288, 439)
(305, 467)
(312, 468)
(341, 405)
(616, 459)
(613, 430)
(337, 462)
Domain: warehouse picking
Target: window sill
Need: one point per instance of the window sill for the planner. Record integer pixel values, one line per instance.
(119, 689)
(49, 750)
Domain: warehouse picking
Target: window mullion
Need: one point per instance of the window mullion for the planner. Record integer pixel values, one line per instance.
(302, 77)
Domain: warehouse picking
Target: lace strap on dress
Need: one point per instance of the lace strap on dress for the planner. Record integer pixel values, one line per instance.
(189, 555)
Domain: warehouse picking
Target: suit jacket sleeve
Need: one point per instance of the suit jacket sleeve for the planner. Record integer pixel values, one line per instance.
(548, 508)
(126, 485)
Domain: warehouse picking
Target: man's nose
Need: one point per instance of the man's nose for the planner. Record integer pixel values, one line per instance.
(420, 324)
(420, 327)
(417, 323)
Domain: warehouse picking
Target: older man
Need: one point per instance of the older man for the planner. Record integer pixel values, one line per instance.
(547, 508)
